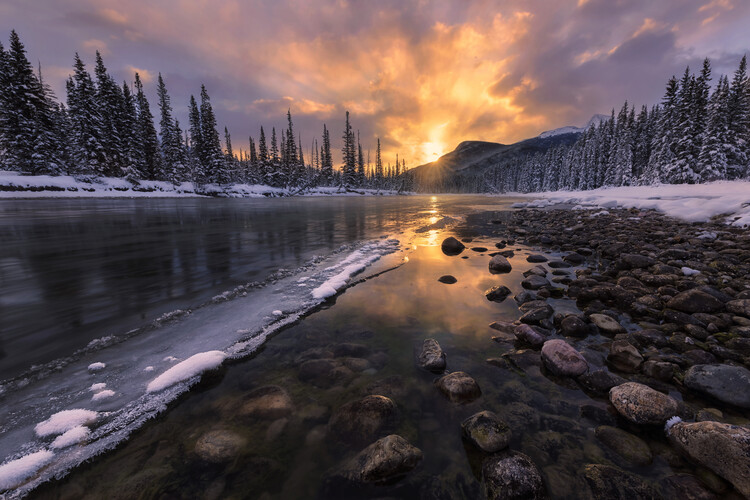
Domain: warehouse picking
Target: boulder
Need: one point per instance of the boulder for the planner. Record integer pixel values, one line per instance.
(534, 316)
(739, 306)
(624, 356)
(384, 460)
(562, 359)
(730, 384)
(695, 301)
(631, 448)
(486, 431)
(536, 258)
(634, 261)
(600, 381)
(606, 324)
(722, 448)
(499, 264)
(528, 335)
(641, 404)
(451, 246)
(267, 402)
(459, 387)
(512, 476)
(432, 357)
(219, 446)
(497, 293)
(360, 422)
(447, 279)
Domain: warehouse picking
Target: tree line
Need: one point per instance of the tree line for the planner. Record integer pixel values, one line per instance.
(694, 135)
(107, 129)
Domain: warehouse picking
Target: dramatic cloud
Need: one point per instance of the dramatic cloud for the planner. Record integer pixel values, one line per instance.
(422, 75)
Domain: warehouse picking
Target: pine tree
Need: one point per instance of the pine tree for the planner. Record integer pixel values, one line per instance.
(360, 175)
(712, 161)
(739, 123)
(275, 174)
(378, 166)
(326, 160)
(146, 132)
(197, 149)
(663, 156)
(348, 153)
(263, 159)
(213, 158)
(683, 169)
(253, 174)
(171, 138)
(231, 160)
(88, 155)
(109, 104)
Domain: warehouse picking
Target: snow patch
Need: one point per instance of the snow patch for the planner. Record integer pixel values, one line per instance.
(97, 387)
(16, 471)
(672, 421)
(170, 359)
(353, 264)
(71, 437)
(102, 395)
(149, 368)
(65, 420)
(689, 272)
(194, 365)
(95, 367)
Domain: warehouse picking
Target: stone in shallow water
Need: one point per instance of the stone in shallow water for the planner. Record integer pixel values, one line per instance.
(609, 482)
(641, 404)
(510, 476)
(628, 446)
(562, 359)
(722, 448)
(219, 446)
(574, 326)
(497, 293)
(499, 264)
(268, 402)
(459, 387)
(447, 279)
(606, 324)
(359, 422)
(730, 384)
(432, 357)
(529, 335)
(600, 381)
(624, 356)
(451, 246)
(486, 431)
(536, 258)
(535, 282)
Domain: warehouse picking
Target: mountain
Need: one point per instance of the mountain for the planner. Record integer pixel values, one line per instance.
(462, 169)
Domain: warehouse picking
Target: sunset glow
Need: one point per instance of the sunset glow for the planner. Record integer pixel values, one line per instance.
(422, 75)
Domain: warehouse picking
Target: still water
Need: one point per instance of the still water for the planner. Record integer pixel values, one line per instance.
(72, 270)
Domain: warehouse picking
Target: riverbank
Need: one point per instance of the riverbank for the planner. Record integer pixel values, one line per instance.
(613, 322)
(15, 185)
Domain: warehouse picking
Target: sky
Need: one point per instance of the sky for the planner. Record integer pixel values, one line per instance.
(421, 75)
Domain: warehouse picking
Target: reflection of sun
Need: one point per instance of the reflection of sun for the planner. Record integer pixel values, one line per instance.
(434, 219)
(433, 199)
(432, 237)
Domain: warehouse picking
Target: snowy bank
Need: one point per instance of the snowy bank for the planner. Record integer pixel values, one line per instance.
(690, 202)
(194, 365)
(64, 421)
(16, 185)
(19, 470)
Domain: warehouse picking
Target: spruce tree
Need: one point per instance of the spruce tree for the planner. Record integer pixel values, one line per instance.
(171, 137)
(134, 160)
(89, 153)
(146, 132)
(739, 123)
(213, 159)
(108, 104)
(264, 159)
(349, 155)
(713, 160)
(378, 167)
(326, 160)
(196, 150)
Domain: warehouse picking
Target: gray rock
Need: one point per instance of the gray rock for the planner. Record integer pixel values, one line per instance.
(628, 446)
(486, 431)
(660, 370)
(686, 487)
(451, 246)
(536, 258)
(497, 293)
(606, 324)
(562, 359)
(459, 387)
(536, 315)
(535, 282)
(722, 448)
(642, 405)
(624, 356)
(385, 459)
(447, 279)
(432, 357)
(695, 301)
(739, 306)
(634, 261)
(499, 264)
(360, 422)
(600, 381)
(730, 384)
(219, 446)
(529, 335)
(512, 476)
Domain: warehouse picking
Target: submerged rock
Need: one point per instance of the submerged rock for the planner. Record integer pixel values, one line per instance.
(628, 446)
(512, 476)
(528, 335)
(641, 404)
(486, 431)
(499, 264)
(730, 384)
(573, 326)
(451, 246)
(722, 448)
(609, 482)
(219, 446)
(536, 258)
(459, 387)
(360, 422)
(432, 357)
(606, 325)
(535, 282)
(600, 381)
(268, 402)
(447, 279)
(385, 459)
(562, 359)
(624, 356)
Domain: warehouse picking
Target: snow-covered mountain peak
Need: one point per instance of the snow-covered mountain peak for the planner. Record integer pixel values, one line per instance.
(594, 121)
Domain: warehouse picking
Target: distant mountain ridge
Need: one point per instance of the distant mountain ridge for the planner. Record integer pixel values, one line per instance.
(462, 169)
